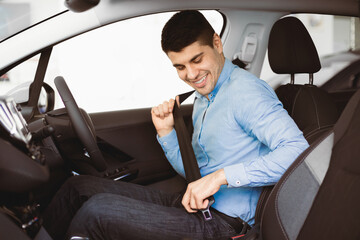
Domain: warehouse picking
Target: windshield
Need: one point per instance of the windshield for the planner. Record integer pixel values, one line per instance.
(17, 15)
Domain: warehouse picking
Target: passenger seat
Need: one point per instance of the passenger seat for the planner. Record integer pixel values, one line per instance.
(292, 51)
(318, 196)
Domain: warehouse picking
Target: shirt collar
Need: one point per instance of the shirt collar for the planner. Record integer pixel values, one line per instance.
(225, 74)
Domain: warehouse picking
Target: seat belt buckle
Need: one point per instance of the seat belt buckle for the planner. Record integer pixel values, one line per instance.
(206, 212)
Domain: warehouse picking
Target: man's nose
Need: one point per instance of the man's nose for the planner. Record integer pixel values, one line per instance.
(192, 73)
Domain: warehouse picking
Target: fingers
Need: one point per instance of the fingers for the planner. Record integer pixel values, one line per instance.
(171, 104)
(193, 200)
(178, 100)
(163, 110)
(197, 192)
(186, 203)
(162, 117)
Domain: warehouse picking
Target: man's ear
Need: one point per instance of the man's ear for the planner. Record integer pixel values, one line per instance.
(217, 43)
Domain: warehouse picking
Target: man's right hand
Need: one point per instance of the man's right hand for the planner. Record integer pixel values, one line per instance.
(163, 118)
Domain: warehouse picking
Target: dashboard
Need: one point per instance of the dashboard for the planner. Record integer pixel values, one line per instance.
(22, 166)
(12, 121)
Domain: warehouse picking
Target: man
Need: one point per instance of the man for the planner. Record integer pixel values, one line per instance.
(243, 139)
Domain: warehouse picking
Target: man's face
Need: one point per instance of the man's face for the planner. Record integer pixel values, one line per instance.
(199, 65)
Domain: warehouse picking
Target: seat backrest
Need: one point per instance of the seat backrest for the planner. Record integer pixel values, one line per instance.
(312, 109)
(292, 51)
(318, 196)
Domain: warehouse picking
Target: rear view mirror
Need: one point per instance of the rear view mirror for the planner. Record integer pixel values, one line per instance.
(80, 5)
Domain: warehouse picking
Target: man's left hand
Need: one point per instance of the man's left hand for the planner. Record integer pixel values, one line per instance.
(197, 192)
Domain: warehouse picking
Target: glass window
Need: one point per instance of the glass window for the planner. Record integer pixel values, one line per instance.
(120, 66)
(16, 82)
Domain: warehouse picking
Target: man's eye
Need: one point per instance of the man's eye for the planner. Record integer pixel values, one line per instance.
(180, 68)
(197, 60)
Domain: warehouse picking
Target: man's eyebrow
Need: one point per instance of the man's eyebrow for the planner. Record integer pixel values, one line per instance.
(178, 65)
(191, 60)
(196, 56)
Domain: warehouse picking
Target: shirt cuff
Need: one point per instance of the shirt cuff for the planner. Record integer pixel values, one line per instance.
(169, 141)
(236, 175)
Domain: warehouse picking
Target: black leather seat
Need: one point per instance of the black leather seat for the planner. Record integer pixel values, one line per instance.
(292, 51)
(318, 196)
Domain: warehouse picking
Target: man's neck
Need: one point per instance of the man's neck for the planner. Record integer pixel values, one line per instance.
(222, 68)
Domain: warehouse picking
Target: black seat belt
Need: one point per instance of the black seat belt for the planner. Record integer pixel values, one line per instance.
(192, 171)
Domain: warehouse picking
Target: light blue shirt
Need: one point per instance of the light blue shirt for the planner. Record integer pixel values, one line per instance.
(244, 129)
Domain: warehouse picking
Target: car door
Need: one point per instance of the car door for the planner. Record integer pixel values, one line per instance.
(116, 74)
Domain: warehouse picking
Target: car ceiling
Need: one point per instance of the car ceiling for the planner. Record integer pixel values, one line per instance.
(336, 7)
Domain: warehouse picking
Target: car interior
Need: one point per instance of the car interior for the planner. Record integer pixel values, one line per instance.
(317, 197)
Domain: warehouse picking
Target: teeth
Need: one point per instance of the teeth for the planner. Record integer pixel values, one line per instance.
(202, 79)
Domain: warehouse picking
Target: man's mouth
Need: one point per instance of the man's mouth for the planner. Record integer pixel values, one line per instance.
(201, 82)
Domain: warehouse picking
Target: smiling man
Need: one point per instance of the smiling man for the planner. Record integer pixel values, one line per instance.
(243, 139)
(202, 70)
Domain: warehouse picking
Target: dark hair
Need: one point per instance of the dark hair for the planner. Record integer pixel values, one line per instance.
(185, 28)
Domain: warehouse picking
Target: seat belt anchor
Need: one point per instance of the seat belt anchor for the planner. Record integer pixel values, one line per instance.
(206, 212)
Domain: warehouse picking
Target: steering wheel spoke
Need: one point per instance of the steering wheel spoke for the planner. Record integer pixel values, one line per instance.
(81, 127)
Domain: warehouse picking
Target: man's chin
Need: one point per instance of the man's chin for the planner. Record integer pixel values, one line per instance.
(203, 92)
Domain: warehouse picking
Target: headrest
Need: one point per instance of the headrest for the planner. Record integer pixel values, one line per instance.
(291, 49)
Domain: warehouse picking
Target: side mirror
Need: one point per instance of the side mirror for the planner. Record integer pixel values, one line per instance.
(46, 101)
(80, 5)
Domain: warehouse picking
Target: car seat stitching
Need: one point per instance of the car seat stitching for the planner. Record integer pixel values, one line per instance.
(316, 110)
(295, 99)
(309, 134)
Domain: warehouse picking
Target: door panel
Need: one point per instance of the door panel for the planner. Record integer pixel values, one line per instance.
(132, 133)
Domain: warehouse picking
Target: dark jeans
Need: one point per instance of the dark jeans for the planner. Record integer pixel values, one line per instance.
(104, 209)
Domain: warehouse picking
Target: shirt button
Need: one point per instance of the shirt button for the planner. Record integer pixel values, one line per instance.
(237, 182)
(165, 143)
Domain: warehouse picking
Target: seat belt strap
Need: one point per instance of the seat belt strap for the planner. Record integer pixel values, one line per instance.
(191, 167)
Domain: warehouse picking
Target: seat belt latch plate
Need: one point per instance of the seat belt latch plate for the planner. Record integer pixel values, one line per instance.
(206, 212)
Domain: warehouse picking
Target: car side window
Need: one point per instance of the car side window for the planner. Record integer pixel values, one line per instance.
(16, 82)
(121, 65)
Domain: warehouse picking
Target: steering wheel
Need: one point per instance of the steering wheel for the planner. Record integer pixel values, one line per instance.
(82, 127)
